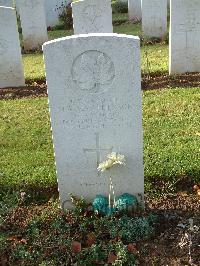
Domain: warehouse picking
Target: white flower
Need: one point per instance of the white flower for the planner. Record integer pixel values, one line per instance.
(112, 159)
(116, 158)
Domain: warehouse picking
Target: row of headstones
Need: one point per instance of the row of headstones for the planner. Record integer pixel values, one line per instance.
(184, 50)
(96, 16)
(34, 30)
(33, 23)
(32, 13)
(52, 9)
(153, 14)
(93, 16)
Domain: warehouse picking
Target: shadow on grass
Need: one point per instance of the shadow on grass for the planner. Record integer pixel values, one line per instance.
(155, 186)
(32, 193)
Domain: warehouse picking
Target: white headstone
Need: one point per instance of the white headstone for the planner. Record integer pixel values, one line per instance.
(8, 3)
(53, 8)
(184, 36)
(11, 70)
(154, 18)
(33, 22)
(92, 16)
(134, 9)
(94, 88)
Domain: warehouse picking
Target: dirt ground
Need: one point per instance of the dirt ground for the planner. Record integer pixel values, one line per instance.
(149, 82)
(170, 245)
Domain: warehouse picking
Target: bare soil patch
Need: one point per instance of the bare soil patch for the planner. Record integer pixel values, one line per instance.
(149, 82)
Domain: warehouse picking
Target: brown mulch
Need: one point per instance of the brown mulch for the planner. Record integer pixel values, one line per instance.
(164, 249)
(160, 81)
(29, 91)
(149, 82)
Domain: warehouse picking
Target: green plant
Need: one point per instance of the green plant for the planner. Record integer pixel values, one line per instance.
(123, 256)
(119, 7)
(66, 17)
(91, 255)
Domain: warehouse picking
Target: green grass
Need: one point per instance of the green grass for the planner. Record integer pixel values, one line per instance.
(171, 124)
(171, 133)
(129, 29)
(59, 34)
(25, 143)
(170, 120)
(33, 67)
(156, 56)
(117, 17)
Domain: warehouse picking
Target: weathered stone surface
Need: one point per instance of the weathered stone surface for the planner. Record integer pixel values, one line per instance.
(7, 3)
(154, 18)
(184, 36)
(94, 89)
(33, 22)
(11, 71)
(92, 16)
(134, 9)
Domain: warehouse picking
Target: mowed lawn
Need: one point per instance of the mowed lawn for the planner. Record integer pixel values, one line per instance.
(171, 139)
(170, 120)
(154, 58)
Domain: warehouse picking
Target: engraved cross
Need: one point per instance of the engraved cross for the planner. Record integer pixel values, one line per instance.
(98, 149)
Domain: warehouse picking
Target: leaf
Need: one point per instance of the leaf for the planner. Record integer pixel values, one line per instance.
(182, 193)
(91, 238)
(132, 248)
(83, 71)
(105, 69)
(4, 260)
(196, 188)
(111, 258)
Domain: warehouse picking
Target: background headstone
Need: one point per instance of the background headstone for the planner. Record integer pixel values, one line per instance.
(134, 9)
(184, 36)
(154, 18)
(94, 89)
(11, 70)
(92, 16)
(33, 22)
